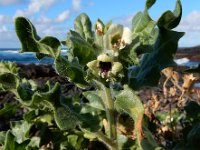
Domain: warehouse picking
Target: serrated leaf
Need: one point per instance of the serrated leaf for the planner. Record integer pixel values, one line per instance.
(71, 70)
(148, 73)
(8, 110)
(85, 114)
(170, 20)
(143, 28)
(65, 119)
(24, 90)
(94, 99)
(8, 81)
(20, 129)
(129, 102)
(31, 42)
(83, 26)
(2, 137)
(40, 99)
(34, 143)
(11, 144)
(8, 67)
(80, 48)
(90, 119)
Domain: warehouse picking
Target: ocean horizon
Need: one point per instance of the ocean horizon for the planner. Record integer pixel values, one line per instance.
(14, 55)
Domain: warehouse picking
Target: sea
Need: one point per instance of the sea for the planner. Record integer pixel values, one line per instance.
(14, 55)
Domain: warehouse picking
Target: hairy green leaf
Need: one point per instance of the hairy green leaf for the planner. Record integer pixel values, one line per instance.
(8, 81)
(39, 99)
(11, 144)
(65, 119)
(31, 42)
(2, 137)
(144, 32)
(80, 48)
(94, 99)
(20, 129)
(71, 70)
(8, 67)
(130, 103)
(8, 110)
(83, 26)
(170, 20)
(148, 73)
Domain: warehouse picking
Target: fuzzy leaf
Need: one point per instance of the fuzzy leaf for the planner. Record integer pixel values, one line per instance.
(8, 81)
(40, 99)
(94, 99)
(64, 118)
(143, 28)
(80, 48)
(70, 70)
(142, 19)
(8, 110)
(148, 73)
(20, 129)
(83, 26)
(90, 118)
(130, 103)
(2, 137)
(11, 144)
(170, 20)
(31, 42)
(8, 67)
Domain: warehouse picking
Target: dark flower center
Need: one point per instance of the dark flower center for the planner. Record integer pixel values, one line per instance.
(105, 66)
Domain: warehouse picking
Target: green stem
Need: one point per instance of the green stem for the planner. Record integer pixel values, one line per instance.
(110, 111)
(109, 104)
(108, 142)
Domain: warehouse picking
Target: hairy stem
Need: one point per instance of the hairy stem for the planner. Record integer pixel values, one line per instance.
(109, 108)
(108, 142)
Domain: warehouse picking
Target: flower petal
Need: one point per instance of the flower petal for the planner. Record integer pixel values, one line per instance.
(93, 65)
(104, 58)
(117, 67)
(127, 35)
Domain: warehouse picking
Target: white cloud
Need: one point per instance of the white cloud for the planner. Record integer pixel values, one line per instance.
(76, 5)
(191, 26)
(3, 29)
(63, 16)
(4, 19)
(35, 6)
(11, 2)
(124, 20)
(44, 20)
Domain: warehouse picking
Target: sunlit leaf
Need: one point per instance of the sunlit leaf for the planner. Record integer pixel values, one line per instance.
(31, 42)
(162, 56)
(83, 26)
(170, 20)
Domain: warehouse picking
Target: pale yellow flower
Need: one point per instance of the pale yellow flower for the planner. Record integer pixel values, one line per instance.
(105, 66)
(116, 38)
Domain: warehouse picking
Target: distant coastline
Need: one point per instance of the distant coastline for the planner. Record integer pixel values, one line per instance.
(13, 55)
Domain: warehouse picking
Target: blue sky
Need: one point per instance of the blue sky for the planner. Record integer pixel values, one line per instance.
(55, 17)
